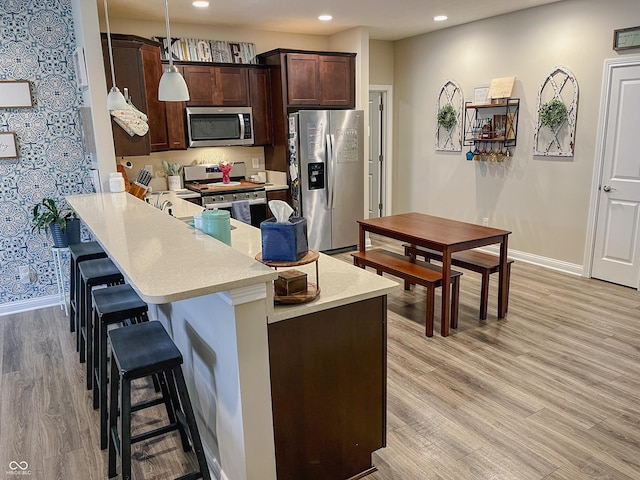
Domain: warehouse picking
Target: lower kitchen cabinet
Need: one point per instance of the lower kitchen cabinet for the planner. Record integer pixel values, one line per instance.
(328, 388)
(277, 195)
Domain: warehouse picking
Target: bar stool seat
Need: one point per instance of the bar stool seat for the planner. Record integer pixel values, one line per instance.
(79, 252)
(101, 271)
(111, 305)
(138, 351)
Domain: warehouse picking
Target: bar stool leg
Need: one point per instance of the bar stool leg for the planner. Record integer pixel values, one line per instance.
(125, 430)
(114, 385)
(175, 400)
(80, 347)
(191, 422)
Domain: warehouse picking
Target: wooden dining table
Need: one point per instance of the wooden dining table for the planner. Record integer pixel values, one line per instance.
(446, 236)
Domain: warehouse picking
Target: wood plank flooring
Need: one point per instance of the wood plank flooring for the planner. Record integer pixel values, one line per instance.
(550, 392)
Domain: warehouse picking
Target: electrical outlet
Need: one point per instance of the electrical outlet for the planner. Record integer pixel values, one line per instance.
(25, 275)
(485, 222)
(256, 162)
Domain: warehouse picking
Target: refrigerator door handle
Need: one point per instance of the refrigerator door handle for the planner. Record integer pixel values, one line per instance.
(329, 168)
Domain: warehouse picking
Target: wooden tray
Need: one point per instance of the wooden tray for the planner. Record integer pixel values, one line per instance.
(300, 297)
(311, 256)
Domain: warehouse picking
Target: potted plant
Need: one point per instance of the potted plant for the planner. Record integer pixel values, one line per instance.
(61, 222)
(173, 170)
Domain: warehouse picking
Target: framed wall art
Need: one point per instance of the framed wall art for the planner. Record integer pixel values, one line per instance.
(8, 146)
(15, 94)
(626, 38)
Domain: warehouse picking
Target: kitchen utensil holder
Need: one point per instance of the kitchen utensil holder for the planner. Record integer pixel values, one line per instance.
(137, 190)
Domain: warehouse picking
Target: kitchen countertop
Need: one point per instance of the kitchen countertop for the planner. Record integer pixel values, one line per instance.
(160, 255)
(166, 260)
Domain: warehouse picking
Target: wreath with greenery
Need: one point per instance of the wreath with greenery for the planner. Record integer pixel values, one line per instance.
(553, 113)
(447, 116)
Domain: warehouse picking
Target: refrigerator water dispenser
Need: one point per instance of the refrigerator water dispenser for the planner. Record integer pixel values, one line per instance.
(316, 176)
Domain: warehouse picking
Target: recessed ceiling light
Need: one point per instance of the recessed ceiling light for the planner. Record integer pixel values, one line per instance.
(440, 18)
(325, 18)
(200, 3)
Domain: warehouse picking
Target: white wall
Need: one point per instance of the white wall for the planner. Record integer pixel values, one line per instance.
(543, 200)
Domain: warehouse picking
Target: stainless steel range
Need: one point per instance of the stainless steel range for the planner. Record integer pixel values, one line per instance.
(207, 181)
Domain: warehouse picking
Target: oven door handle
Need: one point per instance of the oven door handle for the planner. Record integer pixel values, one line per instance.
(255, 201)
(241, 119)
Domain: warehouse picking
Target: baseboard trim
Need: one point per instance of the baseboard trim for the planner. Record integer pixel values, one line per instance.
(26, 305)
(551, 263)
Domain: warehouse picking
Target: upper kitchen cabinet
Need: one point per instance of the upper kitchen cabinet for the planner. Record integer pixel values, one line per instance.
(138, 68)
(260, 101)
(217, 86)
(314, 79)
(305, 80)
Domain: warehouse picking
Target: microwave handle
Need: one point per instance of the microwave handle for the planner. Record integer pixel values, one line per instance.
(241, 119)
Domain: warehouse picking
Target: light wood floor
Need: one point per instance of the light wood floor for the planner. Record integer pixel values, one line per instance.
(550, 392)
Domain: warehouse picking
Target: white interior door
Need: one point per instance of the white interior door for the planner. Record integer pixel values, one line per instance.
(375, 152)
(616, 254)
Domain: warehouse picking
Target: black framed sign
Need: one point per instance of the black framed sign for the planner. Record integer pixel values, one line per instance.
(626, 38)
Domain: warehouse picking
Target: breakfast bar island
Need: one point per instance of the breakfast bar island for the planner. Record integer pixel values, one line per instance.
(284, 391)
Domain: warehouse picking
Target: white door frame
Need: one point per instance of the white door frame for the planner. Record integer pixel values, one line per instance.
(387, 139)
(609, 65)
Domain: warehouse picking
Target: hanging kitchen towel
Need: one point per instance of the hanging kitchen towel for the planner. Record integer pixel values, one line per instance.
(240, 210)
(132, 120)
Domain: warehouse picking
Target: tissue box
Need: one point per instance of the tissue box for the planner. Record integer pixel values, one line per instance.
(284, 242)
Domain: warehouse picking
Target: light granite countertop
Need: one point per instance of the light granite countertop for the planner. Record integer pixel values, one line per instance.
(167, 260)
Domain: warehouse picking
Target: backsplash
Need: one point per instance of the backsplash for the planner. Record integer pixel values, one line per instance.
(193, 156)
(36, 44)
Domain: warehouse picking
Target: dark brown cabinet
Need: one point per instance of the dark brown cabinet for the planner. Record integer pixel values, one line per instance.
(260, 102)
(138, 68)
(320, 80)
(305, 80)
(277, 195)
(217, 86)
(328, 372)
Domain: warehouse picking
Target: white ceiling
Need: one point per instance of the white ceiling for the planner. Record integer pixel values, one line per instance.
(385, 19)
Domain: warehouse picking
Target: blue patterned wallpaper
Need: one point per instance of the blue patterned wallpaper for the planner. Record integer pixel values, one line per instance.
(37, 42)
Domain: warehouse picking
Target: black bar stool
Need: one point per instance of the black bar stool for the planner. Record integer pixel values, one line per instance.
(138, 351)
(79, 252)
(101, 271)
(111, 305)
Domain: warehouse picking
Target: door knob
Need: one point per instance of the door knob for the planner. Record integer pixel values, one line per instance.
(607, 188)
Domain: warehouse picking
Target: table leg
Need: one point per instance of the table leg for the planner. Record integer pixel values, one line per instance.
(361, 240)
(446, 292)
(503, 278)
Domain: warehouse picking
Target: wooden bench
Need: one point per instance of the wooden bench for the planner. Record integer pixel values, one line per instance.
(480, 262)
(413, 272)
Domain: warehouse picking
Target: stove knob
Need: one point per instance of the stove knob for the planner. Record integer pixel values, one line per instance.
(221, 198)
(235, 197)
(248, 195)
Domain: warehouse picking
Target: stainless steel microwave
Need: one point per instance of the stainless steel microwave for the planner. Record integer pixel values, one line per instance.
(219, 126)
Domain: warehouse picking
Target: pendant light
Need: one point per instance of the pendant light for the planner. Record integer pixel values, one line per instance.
(172, 87)
(115, 99)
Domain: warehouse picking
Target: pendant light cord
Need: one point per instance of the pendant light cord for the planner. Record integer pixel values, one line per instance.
(166, 21)
(106, 18)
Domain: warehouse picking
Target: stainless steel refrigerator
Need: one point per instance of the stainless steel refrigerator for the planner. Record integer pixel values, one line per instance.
(326, 164)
